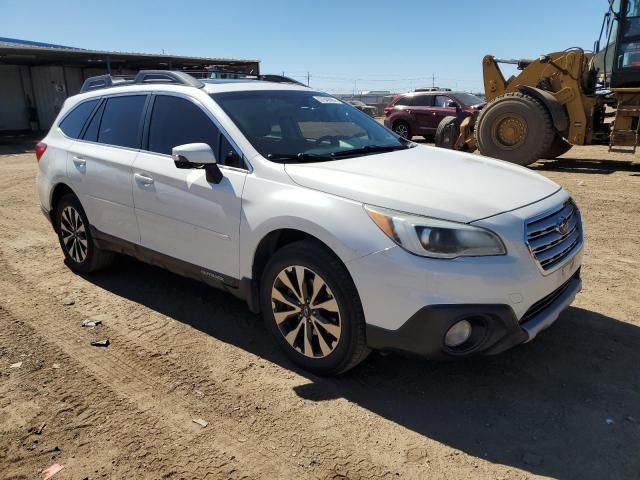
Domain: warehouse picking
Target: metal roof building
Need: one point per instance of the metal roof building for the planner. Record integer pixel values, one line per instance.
(36, 78)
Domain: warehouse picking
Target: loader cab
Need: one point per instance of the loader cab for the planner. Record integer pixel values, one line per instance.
(624, 44)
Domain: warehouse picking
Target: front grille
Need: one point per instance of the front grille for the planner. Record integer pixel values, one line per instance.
(555, 235)
(542, 304)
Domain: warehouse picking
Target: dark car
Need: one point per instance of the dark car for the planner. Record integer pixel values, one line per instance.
(419, 113)
(368, 109)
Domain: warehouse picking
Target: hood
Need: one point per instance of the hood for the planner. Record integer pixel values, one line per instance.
(478, 106)
(428, 181)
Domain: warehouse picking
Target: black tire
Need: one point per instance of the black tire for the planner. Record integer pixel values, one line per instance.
(526, 117)
(447, 133)
(350, 348)
(558, 147)
(76, 241)
(403, 129)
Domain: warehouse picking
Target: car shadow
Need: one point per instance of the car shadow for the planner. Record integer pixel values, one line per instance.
(586, 165)
(564, 406)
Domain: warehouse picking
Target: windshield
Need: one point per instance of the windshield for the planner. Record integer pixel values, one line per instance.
(468, 99)
(305, 125)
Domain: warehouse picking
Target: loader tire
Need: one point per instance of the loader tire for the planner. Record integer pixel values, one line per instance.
(558, 147)
(447, 133)
(515, 127)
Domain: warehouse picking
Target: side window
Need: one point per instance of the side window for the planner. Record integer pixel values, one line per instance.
(441, 101)
(228, 155)
(91, 133)
(75, 120)
(404, 101)
(176, 121)
(121, 121)
(423, 101)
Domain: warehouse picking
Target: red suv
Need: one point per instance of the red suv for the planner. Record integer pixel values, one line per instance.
(419, 113)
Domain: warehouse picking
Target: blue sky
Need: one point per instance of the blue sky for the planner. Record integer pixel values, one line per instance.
(345, 45)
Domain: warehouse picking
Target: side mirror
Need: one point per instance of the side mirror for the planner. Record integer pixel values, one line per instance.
(197, 155)
(453, 104)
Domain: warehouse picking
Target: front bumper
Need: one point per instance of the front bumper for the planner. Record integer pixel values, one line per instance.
(496, 326)
(410, 302)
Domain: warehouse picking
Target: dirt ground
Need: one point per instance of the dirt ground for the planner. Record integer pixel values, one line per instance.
(565, 406)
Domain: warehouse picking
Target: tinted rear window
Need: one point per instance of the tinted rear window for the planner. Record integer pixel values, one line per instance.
(121, 121)
(91, 132)
(403, 101)
(176, 121)
(74, 121)
(423, 101)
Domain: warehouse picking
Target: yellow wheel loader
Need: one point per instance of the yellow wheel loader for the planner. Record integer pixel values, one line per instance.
(559, 99)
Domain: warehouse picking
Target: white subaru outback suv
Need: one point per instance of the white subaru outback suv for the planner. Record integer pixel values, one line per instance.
(343, 235)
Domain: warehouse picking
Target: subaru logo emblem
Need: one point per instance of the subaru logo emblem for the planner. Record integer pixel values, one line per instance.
(562, 225)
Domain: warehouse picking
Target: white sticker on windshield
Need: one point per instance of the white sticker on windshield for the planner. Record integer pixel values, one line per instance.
(327, 100)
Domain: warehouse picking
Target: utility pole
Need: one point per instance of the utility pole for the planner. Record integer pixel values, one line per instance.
(433, 80)
(308, 77)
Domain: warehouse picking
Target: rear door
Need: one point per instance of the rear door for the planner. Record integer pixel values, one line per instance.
(423, 113)
(100, 161)
(179, 212)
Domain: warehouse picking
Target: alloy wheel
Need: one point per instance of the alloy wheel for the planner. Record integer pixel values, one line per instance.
(402, 130)
(74, 234)
(306, 311)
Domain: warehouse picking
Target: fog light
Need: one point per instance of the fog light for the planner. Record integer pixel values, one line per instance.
(458, 334)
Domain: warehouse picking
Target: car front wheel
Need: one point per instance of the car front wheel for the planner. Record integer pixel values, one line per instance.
(312, 307)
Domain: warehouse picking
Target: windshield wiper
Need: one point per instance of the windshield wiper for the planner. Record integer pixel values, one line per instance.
(313, 157)
(298, 157)
(369, 149)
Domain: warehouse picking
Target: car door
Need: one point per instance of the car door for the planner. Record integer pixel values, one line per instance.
(441, 109)
(421, 110)
(180, 214)
(100, 161)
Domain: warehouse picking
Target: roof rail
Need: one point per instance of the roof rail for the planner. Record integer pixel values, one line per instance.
(101, 81)
(279, 79)
(167, 76)
(143, 76)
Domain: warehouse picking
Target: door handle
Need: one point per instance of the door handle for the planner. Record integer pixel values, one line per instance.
(143, 179)
(79, 162)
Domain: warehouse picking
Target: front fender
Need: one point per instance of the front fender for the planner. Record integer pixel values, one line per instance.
(557, 111)
(341, 224)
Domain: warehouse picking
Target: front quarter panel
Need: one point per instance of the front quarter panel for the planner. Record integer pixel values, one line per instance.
(341, 224)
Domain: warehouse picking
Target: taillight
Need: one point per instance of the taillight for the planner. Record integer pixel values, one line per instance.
(40, 149)
(387, 110)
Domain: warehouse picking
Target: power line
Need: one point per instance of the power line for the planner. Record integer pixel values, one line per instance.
(356, 85)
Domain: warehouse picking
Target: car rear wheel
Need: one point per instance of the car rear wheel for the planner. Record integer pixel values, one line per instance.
(402, 129)
(76, 241)
(311, 306)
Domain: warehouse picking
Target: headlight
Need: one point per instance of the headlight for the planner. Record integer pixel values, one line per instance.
(430, 237)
